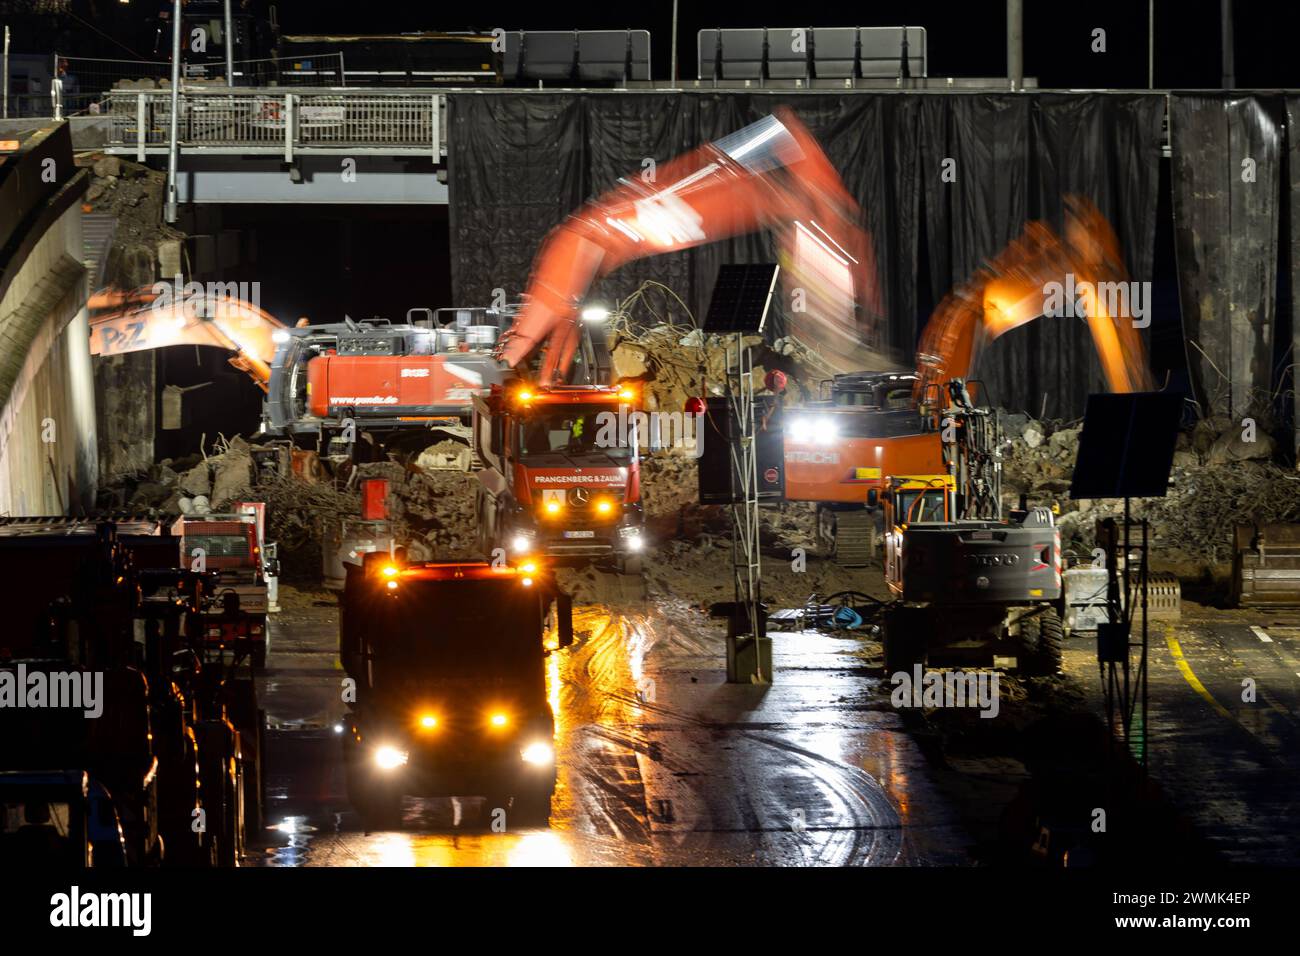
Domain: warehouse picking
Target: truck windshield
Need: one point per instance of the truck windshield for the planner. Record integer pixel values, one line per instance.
(218, 545)
(466, 631)
(921, 506)
(576, 429)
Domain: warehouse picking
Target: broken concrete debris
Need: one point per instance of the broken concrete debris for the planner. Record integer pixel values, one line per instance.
(1219, 478)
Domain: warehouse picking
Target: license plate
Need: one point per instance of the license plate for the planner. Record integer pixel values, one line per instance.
(580, 534)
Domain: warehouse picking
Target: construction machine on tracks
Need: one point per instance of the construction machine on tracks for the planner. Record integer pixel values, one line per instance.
(867, 427)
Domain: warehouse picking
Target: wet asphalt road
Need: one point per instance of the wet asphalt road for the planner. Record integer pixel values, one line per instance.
(663, 763)
(660, 761)
(1230, 763)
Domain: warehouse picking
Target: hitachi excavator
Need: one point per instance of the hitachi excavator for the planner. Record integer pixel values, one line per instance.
(842, 451)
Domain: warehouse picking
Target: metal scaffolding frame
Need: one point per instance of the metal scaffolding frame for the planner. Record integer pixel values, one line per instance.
(747, 631)
(1125, 683)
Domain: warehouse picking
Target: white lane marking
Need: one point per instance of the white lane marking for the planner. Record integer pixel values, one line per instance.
(1262, 635)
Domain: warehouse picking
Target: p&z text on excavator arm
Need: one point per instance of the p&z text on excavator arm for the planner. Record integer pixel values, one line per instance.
(143, 319)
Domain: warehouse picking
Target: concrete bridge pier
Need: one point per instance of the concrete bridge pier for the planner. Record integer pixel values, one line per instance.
(48, 454)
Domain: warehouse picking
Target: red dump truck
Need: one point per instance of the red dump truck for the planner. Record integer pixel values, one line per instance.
(451, 700)
(232, 545)
(561, 473)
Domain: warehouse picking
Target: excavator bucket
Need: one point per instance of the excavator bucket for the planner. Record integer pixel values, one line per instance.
(137, 321)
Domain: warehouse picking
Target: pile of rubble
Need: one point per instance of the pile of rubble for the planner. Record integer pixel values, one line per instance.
(195, 484)
(432, 511)
(1223, 474)
(676, 363)
(144, 246)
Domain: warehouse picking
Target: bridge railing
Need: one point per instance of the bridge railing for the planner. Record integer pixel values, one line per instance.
(278, 121)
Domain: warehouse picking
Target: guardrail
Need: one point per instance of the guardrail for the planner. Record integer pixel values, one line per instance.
(272, 121)
(97, 75)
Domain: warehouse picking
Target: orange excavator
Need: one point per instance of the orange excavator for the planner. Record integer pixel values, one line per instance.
(383, 377)
(1012, 290)
(154, 317)
(544, 488)
(842, 451)
(770, 175)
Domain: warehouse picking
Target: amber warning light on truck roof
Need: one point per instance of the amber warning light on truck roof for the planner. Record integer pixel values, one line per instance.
(527, 395)
(393, 574)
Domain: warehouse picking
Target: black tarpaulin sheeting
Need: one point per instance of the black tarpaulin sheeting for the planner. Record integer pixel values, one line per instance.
(1226, 175)
(518, 163)
(1104, 147)
(1293, 167)
(631, 138)
(515, 168)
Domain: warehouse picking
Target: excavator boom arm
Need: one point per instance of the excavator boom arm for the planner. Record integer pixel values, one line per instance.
(144, 319)
(1013, 290)
(772, 175)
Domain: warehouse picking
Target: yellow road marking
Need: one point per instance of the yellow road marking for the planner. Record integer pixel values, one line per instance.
(1186, 670)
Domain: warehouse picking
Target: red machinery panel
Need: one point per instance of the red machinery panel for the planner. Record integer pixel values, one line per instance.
(374, 499)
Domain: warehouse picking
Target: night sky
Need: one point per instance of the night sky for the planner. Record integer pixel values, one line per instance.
(965, 38)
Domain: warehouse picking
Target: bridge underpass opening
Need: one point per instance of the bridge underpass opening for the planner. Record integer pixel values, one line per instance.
(314, 261)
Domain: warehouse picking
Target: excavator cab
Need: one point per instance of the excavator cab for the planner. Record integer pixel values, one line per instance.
(909, 500)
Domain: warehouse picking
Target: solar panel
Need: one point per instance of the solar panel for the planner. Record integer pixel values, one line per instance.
(835, 52)
(1127, 445)
(549, 55)
(741, 297)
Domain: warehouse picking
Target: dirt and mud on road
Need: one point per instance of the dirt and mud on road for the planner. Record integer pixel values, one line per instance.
(660, 760)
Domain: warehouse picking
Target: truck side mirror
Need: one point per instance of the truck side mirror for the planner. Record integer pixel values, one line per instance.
(564, 618)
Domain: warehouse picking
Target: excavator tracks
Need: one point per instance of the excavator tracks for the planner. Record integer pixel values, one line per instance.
(853, 538)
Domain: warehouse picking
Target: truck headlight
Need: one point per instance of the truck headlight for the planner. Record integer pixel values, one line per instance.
(521, 542)
(389, 758)
(539, 754)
